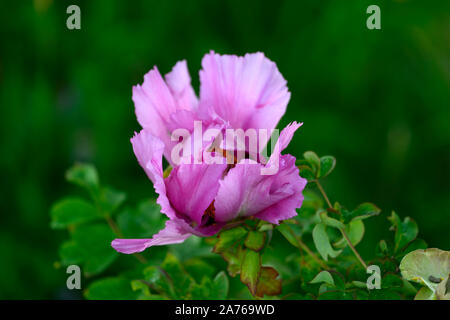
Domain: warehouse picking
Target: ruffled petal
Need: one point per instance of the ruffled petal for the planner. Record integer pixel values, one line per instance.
(154, 102)
(148, 150)
(248, 92)
(283, 141)
(290, 185)
(245, 192)
(179, 83)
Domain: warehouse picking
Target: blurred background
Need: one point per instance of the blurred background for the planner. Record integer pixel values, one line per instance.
(378, 100)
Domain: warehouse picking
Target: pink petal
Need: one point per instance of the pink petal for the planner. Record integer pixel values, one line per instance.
(179, 83)
(154, 102)
(245, 192)
(192, 187)
(283, 141)
(248, 91)
(289, 183)
(171, 234)
(148, 150)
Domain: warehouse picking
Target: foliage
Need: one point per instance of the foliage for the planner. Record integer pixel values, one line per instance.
(312, 256)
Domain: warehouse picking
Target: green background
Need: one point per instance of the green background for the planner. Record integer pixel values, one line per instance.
(378, 100)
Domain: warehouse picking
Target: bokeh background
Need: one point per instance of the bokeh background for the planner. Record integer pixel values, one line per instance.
(376, 99)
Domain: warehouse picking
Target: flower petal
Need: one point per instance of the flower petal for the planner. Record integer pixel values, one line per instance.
(154, 102)
(245, 192)
(192, 187)
(289, 183)
(179, 83)
(283, 141)
(148, 150)
(248, 91)
(171, 234)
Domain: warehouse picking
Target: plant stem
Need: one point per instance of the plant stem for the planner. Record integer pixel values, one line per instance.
(303, 246)
(113, 226)
(353, 248)
(323, 193)
(344, 234)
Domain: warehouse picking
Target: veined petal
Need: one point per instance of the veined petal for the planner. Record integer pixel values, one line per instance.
(154, 102)
(289, 183)
(245, 192)
(192, 187)
(148, 150)
(179, 83)
(248, 92)
(284, 139)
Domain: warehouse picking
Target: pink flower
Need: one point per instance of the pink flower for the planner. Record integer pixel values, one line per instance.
(200, 198)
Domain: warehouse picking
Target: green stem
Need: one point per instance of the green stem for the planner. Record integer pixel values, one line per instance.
(344, 234)
(303, 246)
(353, 248)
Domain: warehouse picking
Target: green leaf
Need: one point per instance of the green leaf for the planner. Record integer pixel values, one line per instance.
(198, 268)
(84, 175)
(327, 164)
(220, 287)
(268, 283)
(322, 242)
(250, 270)
(139, 285)
(307, 173)
(71, 211)
(94, 243)
(179, 279)
(229, 238)
(335, 295)
(363, 211)
(209, 289)
(391, 280)
(383, 248)
(428, 267)
(111, 199)
(425, 294)
(255, 240)
(355, 231)
(314, 161)
(443, 289)
(111, 289)
(330, 221)
(234, 258)
(70, 253)
(323, 277)
(287, 233)
(405, 231)
(152, 274)
(414, 245)
(142, 222)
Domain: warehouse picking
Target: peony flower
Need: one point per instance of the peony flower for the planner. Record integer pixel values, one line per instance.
(202, 198)
(237, 92)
